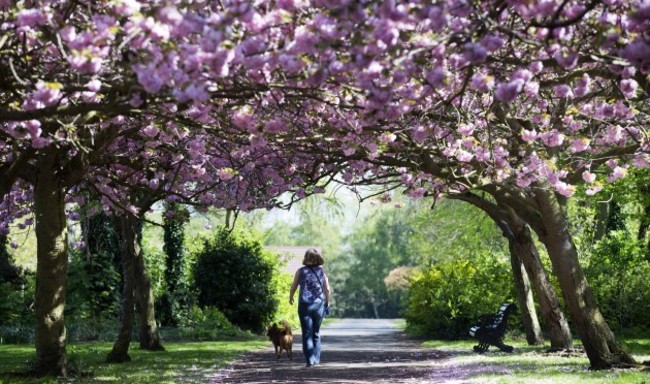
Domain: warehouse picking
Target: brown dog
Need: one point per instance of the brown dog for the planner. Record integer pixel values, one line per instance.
(281, 337)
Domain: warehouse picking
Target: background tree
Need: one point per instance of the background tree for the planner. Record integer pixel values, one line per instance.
(175, 218)
(234, 274)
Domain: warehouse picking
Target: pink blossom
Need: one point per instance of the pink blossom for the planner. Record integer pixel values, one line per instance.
(508, 92)
(387, 137)
(582, 85)
(522, 74)
(170, 15)
(637, 53)
(94, 85)
(629, 87)
(419, 134)
(528, 136)
(243, 118)
(474, 53)
(492, 43)
(150, 131)
(416, 193)
(482, 83)
(617, 173)
(564, 189)
(594, 189)
(126, 7)
(464, 156)
(628, 72)
(536, 67)
(438, 18)
(531, 89)
(349, 151)
(437, 77)
(149, 78)
(552, 138)
(276, 126)
(33, 17)
(466, 129)
(579, 145)
(563, 91)
(568, 60)
(588, 177)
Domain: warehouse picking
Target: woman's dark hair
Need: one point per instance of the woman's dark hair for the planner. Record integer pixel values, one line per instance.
(312, 257)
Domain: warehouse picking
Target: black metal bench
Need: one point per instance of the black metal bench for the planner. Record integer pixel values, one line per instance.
(489, 329)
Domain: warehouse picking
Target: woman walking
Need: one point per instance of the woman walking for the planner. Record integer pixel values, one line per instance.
(313, 300)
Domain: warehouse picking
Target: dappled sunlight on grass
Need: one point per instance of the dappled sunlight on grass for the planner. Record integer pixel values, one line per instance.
(181, 363)
(531, 364)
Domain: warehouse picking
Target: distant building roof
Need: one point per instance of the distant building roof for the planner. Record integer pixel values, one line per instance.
(291, 255)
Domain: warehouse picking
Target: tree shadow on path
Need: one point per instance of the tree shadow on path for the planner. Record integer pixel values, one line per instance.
(354, 351)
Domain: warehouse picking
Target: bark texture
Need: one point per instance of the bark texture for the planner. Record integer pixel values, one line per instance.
(51, 267)
(129, 246)
(147, 327)
(521, 244)
(525, 300)
(597, 338)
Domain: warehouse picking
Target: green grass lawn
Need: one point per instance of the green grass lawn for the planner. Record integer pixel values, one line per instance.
(529, 364)
(187, 362)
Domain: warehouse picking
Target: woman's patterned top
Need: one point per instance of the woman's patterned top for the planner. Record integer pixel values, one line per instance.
(310, 288)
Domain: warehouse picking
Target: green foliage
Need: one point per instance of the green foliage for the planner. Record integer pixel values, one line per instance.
(172, 303)
(16, 311)
(94, 279)
(618, 270)
(446, 298)
(412, 235)
(282, 284)
(93, 287)
(235, 274)
(376, 247)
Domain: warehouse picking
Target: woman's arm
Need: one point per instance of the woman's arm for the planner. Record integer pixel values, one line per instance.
(294, 285)
(327, 290)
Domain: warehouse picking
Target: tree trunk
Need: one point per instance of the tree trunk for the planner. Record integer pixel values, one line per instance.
(51, 267)
(521, 243)
(525, 300)
(144, 300)
(597, 338)
(558, 328)
(129, 246)
(602, 213)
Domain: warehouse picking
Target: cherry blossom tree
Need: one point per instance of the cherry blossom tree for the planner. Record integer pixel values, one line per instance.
(526, 101)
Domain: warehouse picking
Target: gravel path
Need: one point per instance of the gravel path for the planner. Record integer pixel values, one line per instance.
(354, 351)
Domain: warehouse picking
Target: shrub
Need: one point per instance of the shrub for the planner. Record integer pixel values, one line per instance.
(235, 274)
(617, 271)
(445, 299)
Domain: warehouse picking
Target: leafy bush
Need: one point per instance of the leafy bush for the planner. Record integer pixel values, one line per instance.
(206, 324)
(93, 287)
(235, 274)
(445, 299)
(618, 270)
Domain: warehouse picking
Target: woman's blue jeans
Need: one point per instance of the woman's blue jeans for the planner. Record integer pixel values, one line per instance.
(311, 317)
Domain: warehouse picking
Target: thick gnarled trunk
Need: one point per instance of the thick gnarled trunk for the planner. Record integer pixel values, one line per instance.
(51, 267)
(129, 246)
(597, 338)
